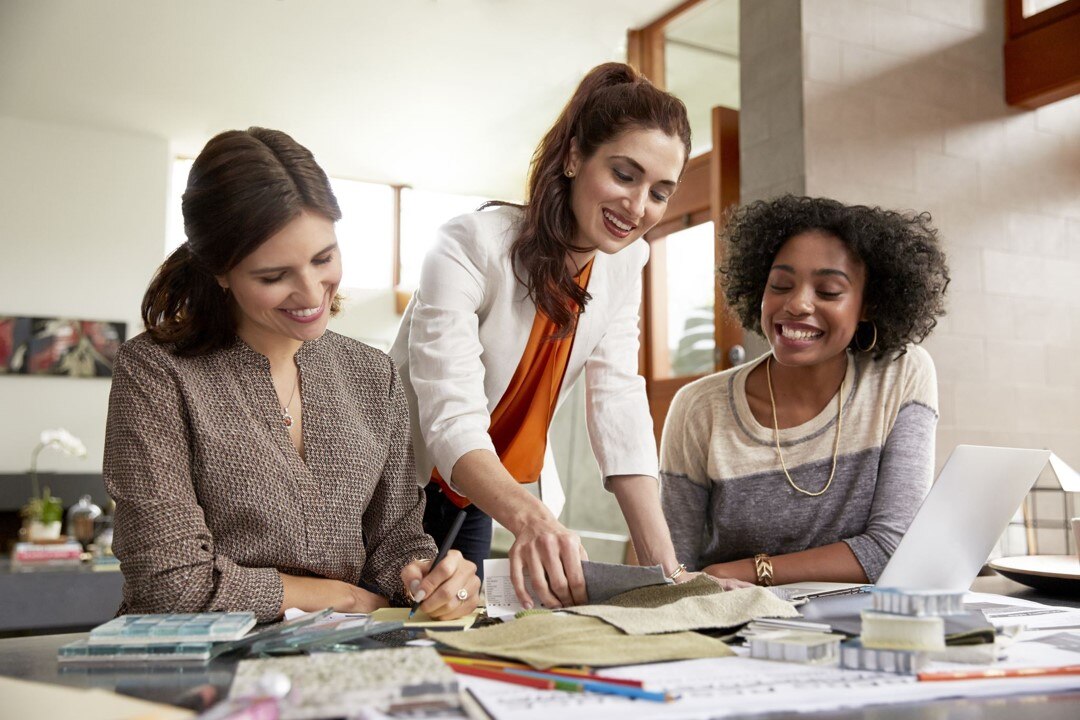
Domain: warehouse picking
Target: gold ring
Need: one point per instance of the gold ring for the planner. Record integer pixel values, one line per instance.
(462, 594)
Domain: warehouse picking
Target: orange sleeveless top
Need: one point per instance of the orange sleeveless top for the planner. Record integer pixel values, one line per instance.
(519, 423)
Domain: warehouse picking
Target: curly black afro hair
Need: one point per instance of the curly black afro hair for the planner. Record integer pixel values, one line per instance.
(906, 270)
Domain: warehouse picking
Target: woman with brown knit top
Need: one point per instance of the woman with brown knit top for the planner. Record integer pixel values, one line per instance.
(258, 461)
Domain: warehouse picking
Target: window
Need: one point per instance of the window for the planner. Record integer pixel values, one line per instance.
(422, 213)
(365, 233)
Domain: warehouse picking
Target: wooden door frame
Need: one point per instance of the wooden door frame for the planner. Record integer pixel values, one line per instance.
(708, 188)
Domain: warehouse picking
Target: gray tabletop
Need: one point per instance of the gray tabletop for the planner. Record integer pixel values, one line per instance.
(34, 658)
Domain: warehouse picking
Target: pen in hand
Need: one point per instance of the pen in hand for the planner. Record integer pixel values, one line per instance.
(447, 543)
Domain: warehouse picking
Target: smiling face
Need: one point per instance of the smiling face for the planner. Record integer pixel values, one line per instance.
(813, 299)
(621, 191)
(283, 290)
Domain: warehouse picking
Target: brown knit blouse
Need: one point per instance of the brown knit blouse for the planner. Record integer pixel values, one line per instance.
(212, 498)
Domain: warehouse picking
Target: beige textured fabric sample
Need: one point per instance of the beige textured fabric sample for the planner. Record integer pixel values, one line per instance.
(688, 607)
(545, 640)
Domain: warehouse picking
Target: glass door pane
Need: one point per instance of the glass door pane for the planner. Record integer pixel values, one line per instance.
(691, 278)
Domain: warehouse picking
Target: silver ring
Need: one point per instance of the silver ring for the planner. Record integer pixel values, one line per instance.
(462, 594)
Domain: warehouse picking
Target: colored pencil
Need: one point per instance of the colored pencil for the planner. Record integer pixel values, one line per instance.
(573, 673)
(501, 664)
(991, 673)
(562, 683)
(489, 674)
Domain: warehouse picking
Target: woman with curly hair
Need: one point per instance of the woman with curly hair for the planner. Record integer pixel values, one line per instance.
(809, 462)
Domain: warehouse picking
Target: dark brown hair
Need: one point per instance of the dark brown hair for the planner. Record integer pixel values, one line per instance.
(906, 270)
(610, 100)
(243, 187)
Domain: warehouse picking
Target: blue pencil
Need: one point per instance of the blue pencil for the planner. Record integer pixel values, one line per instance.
(595, 686)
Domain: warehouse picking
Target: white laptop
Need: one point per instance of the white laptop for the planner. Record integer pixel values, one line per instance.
(954, 531)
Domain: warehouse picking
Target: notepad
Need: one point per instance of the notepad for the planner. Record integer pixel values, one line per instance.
(421, 620)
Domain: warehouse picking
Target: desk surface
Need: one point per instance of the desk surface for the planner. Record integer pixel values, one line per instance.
(34, 658)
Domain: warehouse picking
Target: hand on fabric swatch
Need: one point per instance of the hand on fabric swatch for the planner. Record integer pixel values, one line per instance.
(551, 555)
(448, 591)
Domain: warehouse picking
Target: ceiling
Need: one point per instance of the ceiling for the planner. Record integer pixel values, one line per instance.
(439, 94)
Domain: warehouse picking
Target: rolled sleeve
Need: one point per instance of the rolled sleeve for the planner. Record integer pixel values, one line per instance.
(445, 366)
(617, 407)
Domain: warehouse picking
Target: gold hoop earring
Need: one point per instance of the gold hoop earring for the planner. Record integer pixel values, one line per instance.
(873, 343)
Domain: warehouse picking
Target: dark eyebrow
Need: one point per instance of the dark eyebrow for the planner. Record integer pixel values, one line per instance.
(823, 271)
(637, 166)
(282, 268)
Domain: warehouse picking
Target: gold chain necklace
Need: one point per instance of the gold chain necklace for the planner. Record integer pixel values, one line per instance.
(286, 416)
(776, 432)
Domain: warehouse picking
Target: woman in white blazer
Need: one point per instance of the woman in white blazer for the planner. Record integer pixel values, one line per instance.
(599, 180)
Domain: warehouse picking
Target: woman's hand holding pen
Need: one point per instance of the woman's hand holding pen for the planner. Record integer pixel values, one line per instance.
(446, 592)
(551, 555)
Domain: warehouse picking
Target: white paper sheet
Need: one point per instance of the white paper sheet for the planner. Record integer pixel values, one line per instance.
(719, 687)
(727, 686)
(502, 601)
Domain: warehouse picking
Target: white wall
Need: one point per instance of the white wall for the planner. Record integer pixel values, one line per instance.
(912, 114)
(903, 106)
(82, 227)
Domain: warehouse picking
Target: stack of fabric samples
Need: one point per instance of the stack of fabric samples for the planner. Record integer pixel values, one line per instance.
(905, 630)
(657, 623)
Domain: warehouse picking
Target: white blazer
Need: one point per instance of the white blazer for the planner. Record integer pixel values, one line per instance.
(465, 330)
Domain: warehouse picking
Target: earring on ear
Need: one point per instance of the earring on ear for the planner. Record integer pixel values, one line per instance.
(569, 173)
(872, 342)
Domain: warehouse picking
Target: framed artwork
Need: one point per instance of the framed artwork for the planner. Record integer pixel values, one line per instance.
(59, 346)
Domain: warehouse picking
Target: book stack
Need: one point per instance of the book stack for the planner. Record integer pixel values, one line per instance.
(59, 554)
(905, 630)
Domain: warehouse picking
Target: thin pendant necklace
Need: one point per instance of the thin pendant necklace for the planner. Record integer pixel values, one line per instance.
(776, 432)
(286, 416)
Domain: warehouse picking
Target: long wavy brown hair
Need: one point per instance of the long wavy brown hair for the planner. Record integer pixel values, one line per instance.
(243, 187)
(610, 100)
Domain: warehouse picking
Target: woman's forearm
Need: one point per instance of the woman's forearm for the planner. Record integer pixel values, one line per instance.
(481, 477)
(311, 593)
(829, 563)
(639, 500)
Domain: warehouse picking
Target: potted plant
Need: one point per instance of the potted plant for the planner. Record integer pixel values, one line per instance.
(43, 514)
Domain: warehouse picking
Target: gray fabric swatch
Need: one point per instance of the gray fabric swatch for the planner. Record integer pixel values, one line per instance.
(604, 581)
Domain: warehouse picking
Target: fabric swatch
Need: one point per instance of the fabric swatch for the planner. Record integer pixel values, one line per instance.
(604, 581)
(697, 605)
(547, 639)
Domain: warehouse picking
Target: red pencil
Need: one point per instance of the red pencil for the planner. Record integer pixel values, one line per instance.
(573, 675)
(503, 677)
(991, 673)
